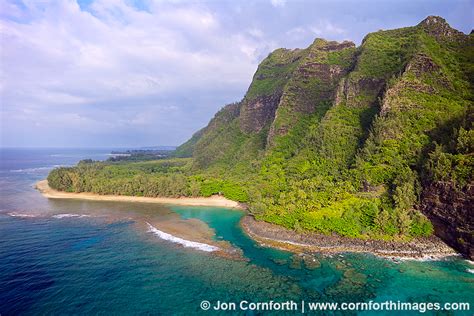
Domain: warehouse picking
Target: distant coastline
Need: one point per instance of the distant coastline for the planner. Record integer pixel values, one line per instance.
(217, 201)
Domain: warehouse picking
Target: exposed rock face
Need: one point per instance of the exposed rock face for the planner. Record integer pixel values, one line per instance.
(313, 82)
(439, 28)
(327, 76)
(258, 112)
(333, 108)
(452, 213)
(262, 98)
(350, 88)
(225, 115)
(335, 46)
(419, 65)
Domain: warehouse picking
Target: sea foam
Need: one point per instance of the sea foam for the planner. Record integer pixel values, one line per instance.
(15, 214)
(37, 169)
(70, 215)
(181, 241)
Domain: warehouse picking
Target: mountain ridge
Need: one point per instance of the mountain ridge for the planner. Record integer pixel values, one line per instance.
(356, 93)
(336, 138)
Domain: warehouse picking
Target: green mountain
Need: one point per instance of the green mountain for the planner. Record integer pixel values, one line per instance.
(335, 138)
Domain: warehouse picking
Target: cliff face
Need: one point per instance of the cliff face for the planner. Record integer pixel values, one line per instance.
(448, 185)
(258, 112)
(265, 91)
(451, 210)
(335, 138)
(312, 84)
(438, 27)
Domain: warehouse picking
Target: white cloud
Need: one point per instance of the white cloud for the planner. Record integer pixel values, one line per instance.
(322, 28)
(278, 3)
(62, 57)
(326, 28)
(255, 32)
(297, 33)
(116, 73)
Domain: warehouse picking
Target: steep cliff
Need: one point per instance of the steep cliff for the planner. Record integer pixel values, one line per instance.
(451, 210)
(448, 184)
(334, 138)
(359, 141)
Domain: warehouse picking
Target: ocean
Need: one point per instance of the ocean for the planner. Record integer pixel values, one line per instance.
(88, 257)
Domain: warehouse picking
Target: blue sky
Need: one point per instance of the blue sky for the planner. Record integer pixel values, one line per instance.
(129, 73)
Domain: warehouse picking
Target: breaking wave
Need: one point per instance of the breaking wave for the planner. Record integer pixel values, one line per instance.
(37, 169)
(70, 215)
(15, 214)
(181, 241)
(59, 216)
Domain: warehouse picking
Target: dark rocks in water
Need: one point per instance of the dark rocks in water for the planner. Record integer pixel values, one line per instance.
(296, 262)
(352, 284)
(310, 262)
(280, 262)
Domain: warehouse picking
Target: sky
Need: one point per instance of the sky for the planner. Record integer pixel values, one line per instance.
(131, 73)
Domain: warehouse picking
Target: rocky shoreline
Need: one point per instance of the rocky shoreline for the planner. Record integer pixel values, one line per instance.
(271, 235)
(275, 236)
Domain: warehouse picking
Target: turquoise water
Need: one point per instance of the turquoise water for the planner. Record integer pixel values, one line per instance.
(107, 262)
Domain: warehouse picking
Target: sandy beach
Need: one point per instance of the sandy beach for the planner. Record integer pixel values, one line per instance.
(217, 201)
(271, 235)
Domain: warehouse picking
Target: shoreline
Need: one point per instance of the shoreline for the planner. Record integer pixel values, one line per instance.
(271, 235)
(216, 201)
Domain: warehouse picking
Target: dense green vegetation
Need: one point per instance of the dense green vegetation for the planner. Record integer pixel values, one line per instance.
(273, 73)
(151, 179)
(356, 134)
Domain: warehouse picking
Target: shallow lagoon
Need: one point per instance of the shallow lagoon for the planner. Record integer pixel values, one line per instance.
(107, 260)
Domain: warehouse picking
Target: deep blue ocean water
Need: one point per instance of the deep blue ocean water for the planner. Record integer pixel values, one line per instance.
(85, 257)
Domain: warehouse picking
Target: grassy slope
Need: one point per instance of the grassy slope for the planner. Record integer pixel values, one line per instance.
(340, 182)
(353, 166)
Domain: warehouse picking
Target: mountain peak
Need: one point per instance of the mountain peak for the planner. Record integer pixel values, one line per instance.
(322, 44)
(434, 20)
(439, 28)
